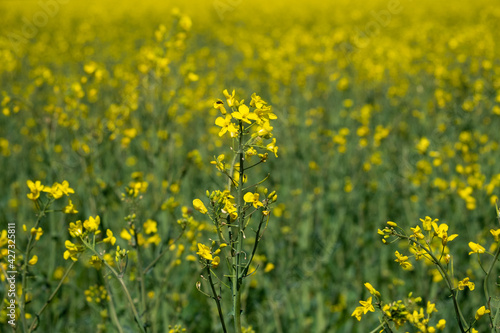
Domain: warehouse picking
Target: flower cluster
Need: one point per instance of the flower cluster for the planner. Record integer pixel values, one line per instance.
(399, 312)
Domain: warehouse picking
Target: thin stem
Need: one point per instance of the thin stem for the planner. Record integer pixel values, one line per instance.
(124, 287)
(217, 300)
(153, 263)
(24, 281)
(460, 318)
(239, 239)
(34, 324)
(485, 282)
(112, 310)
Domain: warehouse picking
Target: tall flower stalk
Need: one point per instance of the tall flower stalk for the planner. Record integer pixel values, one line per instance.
(232, 209)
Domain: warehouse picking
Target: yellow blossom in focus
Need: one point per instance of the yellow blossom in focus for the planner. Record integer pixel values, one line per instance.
(226, 126)
(253, 198)
(35, 188)
(204, 252)
(244, 114)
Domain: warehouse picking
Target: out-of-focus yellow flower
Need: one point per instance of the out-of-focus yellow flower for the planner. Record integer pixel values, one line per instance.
(92, 224)
(70, 209)
(37, 232)
(231, 101)
(76, 229)
(150, 227)
(110, 238)
(476, 248)
(33, 260)
(199, 206)
(372, 290)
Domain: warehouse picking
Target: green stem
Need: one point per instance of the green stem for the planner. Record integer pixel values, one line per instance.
(112, 309)
(485, 282)
(217, 300)
(460, 318)
(239, 240)
(124, 287)
(24, 281)
(33, 325)
(142, 287)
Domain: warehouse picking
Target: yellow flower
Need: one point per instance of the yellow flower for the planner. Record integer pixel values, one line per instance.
(269, 267)
(70, 209)
(272, 147)
(481, 312)
(442, 232)
(427, 223)
(95, 261)
(417, 232)
(495, 233)
(92, 224)
(38, 232)
(64, 187)
(431, 307)
(33, 260)
(253, 198)
(125, 234)
(215, 263)
(441, 324)
(55, 190)
(204, 252)
(110, 238)
(219, 105)
(402, 260)
(244, 114)
(150, 227)
(367, 305)
(72, 251)
(372, 290)
(466, 283)
(199, 206)
(265, 130)
(35, 189)
(76, 229)
(227, 126)
(231, 101)
(476, 248)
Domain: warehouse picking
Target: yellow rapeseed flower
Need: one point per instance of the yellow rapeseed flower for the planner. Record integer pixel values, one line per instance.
(476, 248)
(253, 198)
(199, 206)
(110, 238)
(204, 252)
(35, 188)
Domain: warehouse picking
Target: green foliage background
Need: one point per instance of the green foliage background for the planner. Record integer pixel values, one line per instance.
(430, 70)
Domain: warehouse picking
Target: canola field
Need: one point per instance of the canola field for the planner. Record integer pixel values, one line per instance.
(118, 128)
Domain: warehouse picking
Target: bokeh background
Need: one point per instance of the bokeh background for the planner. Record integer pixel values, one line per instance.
(387, 110)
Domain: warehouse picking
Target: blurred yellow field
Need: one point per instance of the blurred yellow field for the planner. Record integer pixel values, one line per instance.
(137, 185)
